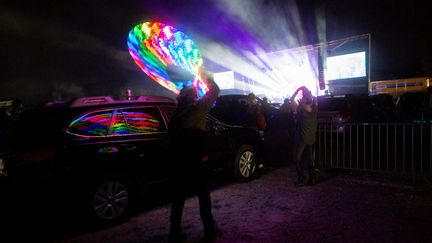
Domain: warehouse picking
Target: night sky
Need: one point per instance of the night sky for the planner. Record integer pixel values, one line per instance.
(63, 49)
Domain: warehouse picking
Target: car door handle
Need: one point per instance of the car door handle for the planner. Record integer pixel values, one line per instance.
(108, 150)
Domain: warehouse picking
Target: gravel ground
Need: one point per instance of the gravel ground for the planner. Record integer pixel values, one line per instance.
(341, 208)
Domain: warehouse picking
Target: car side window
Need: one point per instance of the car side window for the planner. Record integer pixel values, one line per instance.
(93, 124)
(120, 126)
(138, 121)
(169, 111)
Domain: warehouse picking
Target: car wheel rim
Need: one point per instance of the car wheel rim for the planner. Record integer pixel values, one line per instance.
(110, 200)
(247, 165)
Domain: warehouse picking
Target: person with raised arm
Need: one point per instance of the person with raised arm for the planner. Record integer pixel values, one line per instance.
(188, 140)
(306, 110)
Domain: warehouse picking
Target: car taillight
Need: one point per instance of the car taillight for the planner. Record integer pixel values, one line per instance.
(2, 168)
(345, 114)
(341, 117)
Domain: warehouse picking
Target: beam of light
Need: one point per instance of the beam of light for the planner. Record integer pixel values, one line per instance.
(224, 56)
(270, 56)
(155, 46)
(275, 74)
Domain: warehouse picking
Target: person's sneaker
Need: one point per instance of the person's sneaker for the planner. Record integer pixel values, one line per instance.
(211, 234)
(311, 182)
(314, 177)
(300, 182)
(176, 237)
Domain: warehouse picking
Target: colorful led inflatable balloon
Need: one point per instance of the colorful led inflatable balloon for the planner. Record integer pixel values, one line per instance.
(157, 48)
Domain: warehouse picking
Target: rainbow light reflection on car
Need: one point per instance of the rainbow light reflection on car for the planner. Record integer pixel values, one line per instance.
(135, 122)
(124, 123)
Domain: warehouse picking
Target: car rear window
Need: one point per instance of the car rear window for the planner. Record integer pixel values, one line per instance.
(93, 124)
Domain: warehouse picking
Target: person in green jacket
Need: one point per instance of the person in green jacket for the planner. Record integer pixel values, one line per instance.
(306, 111)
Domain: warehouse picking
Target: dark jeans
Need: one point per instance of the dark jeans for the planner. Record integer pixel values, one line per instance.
(189, 177)
(181, 192)
(306, 152)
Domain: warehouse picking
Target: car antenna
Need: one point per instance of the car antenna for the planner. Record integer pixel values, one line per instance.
(129, 94)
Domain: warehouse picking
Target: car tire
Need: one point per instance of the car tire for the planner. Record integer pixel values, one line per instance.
(110, 199)
(244, 163)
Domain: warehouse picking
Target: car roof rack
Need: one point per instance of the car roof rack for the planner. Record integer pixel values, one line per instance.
(55, 103)
(101, 100)
(6, 103)
(154, 99)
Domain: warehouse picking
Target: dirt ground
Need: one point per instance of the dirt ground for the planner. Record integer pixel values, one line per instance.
(341, 208)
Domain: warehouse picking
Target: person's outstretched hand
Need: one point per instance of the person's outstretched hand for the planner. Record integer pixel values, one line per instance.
(304, 88)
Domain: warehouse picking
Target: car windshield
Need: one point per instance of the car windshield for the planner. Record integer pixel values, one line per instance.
(230, 109)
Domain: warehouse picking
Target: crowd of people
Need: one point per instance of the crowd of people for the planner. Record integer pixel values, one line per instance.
(188, 143)
(187, 130)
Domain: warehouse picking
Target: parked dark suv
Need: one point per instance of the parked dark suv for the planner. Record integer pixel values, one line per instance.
(231, 109)
(414, 107)
(104, 149)
(338, 110)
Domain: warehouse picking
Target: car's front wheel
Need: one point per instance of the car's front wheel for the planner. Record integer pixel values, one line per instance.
(244, 163)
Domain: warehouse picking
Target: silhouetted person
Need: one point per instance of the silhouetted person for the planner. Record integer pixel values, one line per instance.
(255, 117)
(284, 127)
(9, 117)
(266, 109)
(306, 126)
(286, 106)
(286, 115)
(188, 143)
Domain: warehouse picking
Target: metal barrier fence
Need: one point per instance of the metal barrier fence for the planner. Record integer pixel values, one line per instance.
(376, 147)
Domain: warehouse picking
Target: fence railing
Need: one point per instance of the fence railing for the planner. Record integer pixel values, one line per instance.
(376, 147)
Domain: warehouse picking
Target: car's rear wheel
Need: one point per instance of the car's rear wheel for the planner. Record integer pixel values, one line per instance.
(111, 199)
(244, 163)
